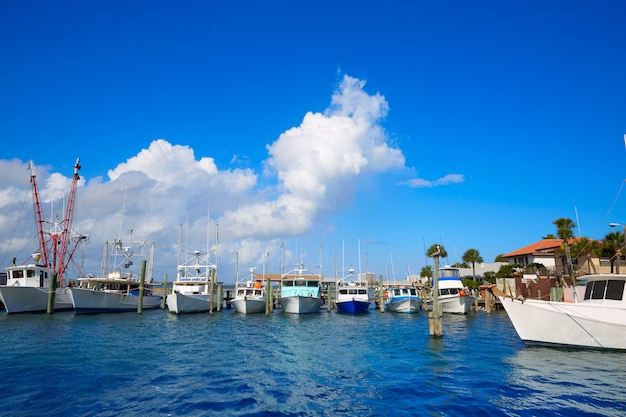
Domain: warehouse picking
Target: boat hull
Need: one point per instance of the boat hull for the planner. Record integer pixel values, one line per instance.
(301, 304)
(88, 301)
(353, 306)
(404, 305)
(567, 324)
(18, 299)
(190, 303)
(456, 304)
(249, 305)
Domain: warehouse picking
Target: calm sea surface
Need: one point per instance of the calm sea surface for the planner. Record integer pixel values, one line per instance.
(327, 364)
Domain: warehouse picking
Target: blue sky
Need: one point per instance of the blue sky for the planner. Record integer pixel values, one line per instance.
(394, 124)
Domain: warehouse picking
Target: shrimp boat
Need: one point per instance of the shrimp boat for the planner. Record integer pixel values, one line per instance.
(121, 289)
(402, 299)
(598, 321)
(352, 294)
(194, 290)
(28, 285)
(453, 296)
(250, 296)
(300, 293)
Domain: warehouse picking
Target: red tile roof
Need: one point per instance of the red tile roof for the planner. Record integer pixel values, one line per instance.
(544, 245)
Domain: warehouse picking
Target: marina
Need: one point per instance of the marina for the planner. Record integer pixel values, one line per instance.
(295, 365)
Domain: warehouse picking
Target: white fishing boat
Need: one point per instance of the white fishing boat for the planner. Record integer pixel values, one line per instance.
(402, 299)
(194, 290)
(598, 321)
(300, 293)
(121, 289)
(28, 285)
(28, 289)
(250, 296)
(352, 294)
(453, 296)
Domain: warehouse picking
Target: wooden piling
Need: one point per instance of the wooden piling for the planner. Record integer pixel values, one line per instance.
(52, 293)
(212, 295)
(435, 315)
(268, 296)
(329, 296)
(164, 299)
(142, 280)
(219, 297)
(488, 306)
(381, 300)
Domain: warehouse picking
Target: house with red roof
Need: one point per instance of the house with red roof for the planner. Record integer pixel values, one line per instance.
(551, 254)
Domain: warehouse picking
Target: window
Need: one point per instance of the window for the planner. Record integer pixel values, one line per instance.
(597, 291)
(615, 289)
(288, 283)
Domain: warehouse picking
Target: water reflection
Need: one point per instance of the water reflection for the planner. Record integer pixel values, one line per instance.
(545, 379)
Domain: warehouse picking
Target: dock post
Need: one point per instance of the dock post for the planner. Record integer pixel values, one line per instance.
(212, 294)
(219, 297)
(476, 294)
(487, 301)
(164, 292)
(52, 293)
(381, 300)
(435, 315)
(142, 279)
(329, 296)
(268, 296)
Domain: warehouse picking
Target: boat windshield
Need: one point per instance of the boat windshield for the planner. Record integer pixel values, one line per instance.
(611, 289)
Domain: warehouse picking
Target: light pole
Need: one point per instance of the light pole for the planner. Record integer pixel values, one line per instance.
(624, 228)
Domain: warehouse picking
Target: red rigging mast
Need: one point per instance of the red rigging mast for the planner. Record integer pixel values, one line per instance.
(54, 250)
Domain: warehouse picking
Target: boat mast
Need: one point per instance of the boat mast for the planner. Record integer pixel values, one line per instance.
(60, 254)
(38, 216)
(67, 225)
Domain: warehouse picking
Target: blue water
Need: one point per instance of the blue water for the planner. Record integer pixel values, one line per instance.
(326, 364)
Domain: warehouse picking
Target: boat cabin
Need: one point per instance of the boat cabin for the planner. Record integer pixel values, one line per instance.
(403, 292)
(29, 276)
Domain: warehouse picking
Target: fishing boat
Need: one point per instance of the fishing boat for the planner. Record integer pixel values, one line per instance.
(598, 321)
(121, 289)
(28, 289)
(352, 294)
(194, 290)
(300, 293)
(28, 285)
(453, 296)
(402, 299)
(250, 296)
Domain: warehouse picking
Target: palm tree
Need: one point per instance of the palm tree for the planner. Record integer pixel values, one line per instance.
(437, 247)
(433, 250)
(473, 256)
(612, 248)
(564, 228)
(427, 271)
(587, 247)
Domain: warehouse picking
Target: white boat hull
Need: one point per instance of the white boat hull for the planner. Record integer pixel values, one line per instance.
(456, 304)
(571, 324)
(404, 305)
(88, 301)
(249, 305)
(190, 303)
(301, 304)
(18, 299)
